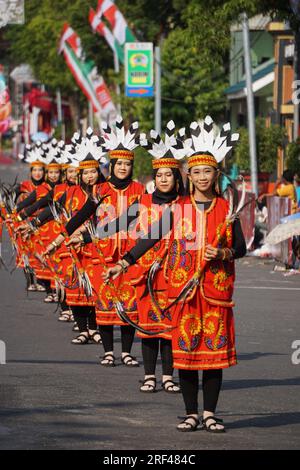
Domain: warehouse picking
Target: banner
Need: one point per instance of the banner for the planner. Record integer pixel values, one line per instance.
(100, 27)
(120, 28)
(72, 39)
(86, 74)
(11, 12)
(120, 34)
(5, 104)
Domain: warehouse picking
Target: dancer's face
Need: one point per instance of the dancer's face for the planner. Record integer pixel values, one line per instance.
(53, 176)
(203, 177)
(122, 168)
(90, 176)
(164, 180)
(71, 174)
(37, 173)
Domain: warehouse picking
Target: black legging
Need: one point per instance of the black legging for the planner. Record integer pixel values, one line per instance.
(85, 317)
(30, 278)
(211, 386)
(107, 336)
(150, 348)
(47, 285)
(64, 306)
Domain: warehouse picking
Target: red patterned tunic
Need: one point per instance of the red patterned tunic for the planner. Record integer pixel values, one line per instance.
(150, 314)
(29, 246)
(63, 259)
(113, 248)
(44, 236)
(204, 337)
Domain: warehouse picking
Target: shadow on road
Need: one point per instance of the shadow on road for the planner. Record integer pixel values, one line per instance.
(257, 383)
(256, 355)
(267, 420)
(76, 409)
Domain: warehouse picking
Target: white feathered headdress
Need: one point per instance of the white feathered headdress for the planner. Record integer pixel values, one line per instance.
(67, 155)
(88, 150)
(203, 147)
(34, 155)
(119, 143)
(51, 155)
(166, 153)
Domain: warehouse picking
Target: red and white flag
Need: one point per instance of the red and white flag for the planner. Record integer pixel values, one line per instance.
(70, 37)
(120, 28)
(85, 73)
(100, 27)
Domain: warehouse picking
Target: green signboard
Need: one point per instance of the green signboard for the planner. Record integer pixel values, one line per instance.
(139, 69)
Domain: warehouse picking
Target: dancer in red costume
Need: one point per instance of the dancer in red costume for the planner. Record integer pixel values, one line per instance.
(202, 248)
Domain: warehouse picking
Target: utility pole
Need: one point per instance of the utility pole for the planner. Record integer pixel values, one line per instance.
(117, 71)
(295, 6)
(296, 78)
(157, 90)
(250, 104)
(60, 114)
(91, 114)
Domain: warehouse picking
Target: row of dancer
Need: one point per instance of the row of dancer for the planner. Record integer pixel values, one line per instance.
(162, 262)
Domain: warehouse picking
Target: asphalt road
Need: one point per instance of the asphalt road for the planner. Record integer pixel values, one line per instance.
(54, 395)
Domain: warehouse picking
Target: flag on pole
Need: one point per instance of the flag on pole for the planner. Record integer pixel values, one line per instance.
(120, 28)
(72, 39)
(101, 28)
(85, 73)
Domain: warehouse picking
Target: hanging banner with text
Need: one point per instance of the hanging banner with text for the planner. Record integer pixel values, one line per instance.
(139, 69)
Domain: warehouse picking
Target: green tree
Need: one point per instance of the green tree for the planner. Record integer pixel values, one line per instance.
(293, 156)
(268, 140)
(195, 39)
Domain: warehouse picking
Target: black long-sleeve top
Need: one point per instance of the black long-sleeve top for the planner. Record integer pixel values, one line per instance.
(165, 224)
(18, 190)
(88, 209)
(46, 215)
(115, 226)
(39, 204)
(28, 201)
(32, 198)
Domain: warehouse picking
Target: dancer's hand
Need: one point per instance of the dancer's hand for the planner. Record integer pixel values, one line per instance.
(55, 244)
(76, 240)
(22, 227)
(50, 248)
(115, 271)
(212, 253)
(26, 233)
